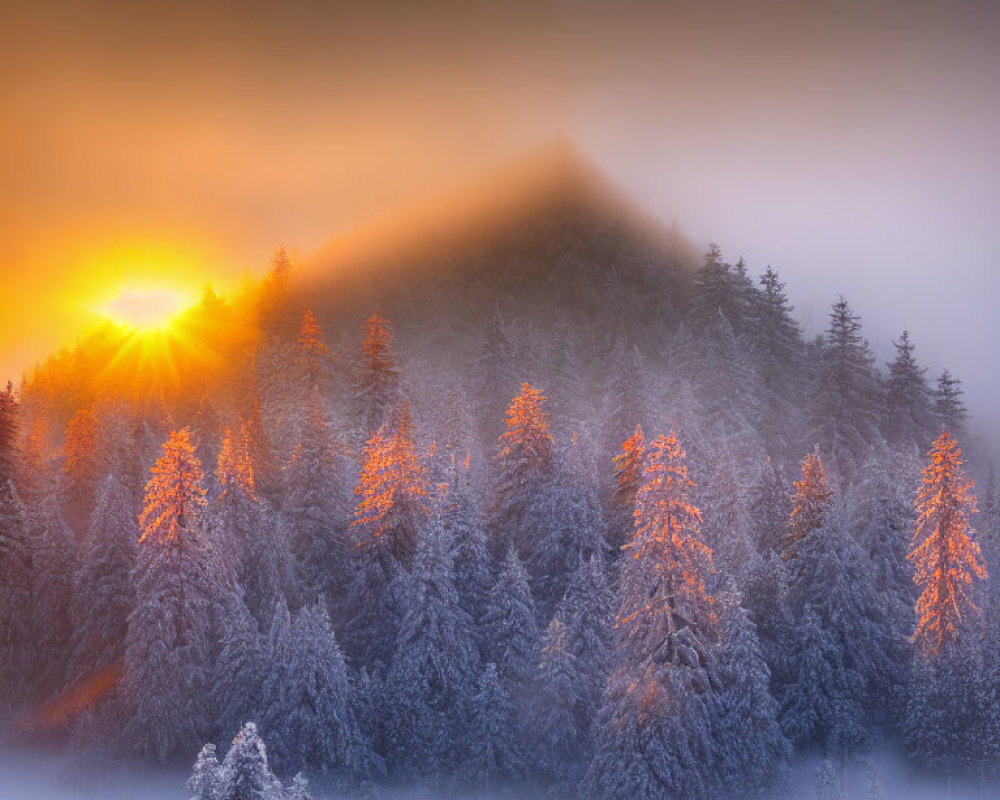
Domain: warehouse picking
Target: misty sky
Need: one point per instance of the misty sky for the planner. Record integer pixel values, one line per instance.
(853, 145)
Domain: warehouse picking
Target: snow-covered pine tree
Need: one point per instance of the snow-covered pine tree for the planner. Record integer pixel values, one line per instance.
(103, 595)
(466, 530)
(312, 350)
(509, 626)
(9, 432)
(81, 468)
(628, 478)
(524, 473)
(657, 720)
(494, 755)
(558, 741)
(946, 558)
(435, 666)
(753, 750)
(949, 409)
(392, 507)
(169, 641)
(308, 713)
(245, 774)
(316, 509)
(379, 386)
(810, 503)
(239, 671)
(908, 421)
(16, 569)
(205, 782)
(844, 405)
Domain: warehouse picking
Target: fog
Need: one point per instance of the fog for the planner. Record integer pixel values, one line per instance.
(43, 775)
(852, 147)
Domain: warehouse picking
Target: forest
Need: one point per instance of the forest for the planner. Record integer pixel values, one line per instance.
(475, 542)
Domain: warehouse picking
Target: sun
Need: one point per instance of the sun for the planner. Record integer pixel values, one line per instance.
(147, 309)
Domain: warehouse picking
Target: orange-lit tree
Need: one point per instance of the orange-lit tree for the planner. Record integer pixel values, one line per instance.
(524, 465)
(945, 556)
(628, 478)
(311, 347)
(378, 377)
(810, 503)
(392, 506)
(662, 696)
(170, 633)
(259, 452)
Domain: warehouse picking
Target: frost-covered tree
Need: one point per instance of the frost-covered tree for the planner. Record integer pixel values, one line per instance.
(949, 409)
(826, 784)
(103, 595)
(810, 503)
(494, 754)
(466, 530)
(169, 640)
(9, 431)
(752, 747)
(946, 558)
(907, 412)
(379, 387)
(317, 510)
(308, 713)
(844, 406)
(555, 724)
(435, 666)
(81, 467)
(239, 670)
(205, 782)
(245, 774)
(510, 630)
(312, 350)
(16, 567)
(628, 478)
(392, 507)
(524, 471)
(657, 721)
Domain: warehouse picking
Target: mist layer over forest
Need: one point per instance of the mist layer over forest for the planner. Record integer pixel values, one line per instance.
(537, 496)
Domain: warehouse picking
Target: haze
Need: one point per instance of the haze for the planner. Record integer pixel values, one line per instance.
(852, 147)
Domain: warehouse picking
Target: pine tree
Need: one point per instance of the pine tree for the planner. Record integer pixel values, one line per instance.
(239, 671)
(435, 666)
(103, 595)
(313, 352)
(628, 478)
(168, 644)
(16, 569)
(946, 559)
(559, 740)
(494, 755)
(259, 453)
(826, 782)
(379, 388)
(810, 503)
(81, 467)
(205, 782)
(658, 716)
(949, 410)
(466, 530)
(317, 509)
(716, 289)
(247, 536)
(524, 471)
(510, 631)
(770, 508)
(754, 751)
(308, 712)
(844, 403)
(495, 378)
(245, 771)
(907, 399)
(8, 434)
(34, 481)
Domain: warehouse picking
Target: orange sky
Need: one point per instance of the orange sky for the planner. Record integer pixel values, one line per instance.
(851, 144)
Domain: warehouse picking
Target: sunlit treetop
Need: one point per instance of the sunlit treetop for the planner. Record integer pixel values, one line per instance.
(235, 467)
(945, 557)
(175, 494)
(810, 503)
(527, 440)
